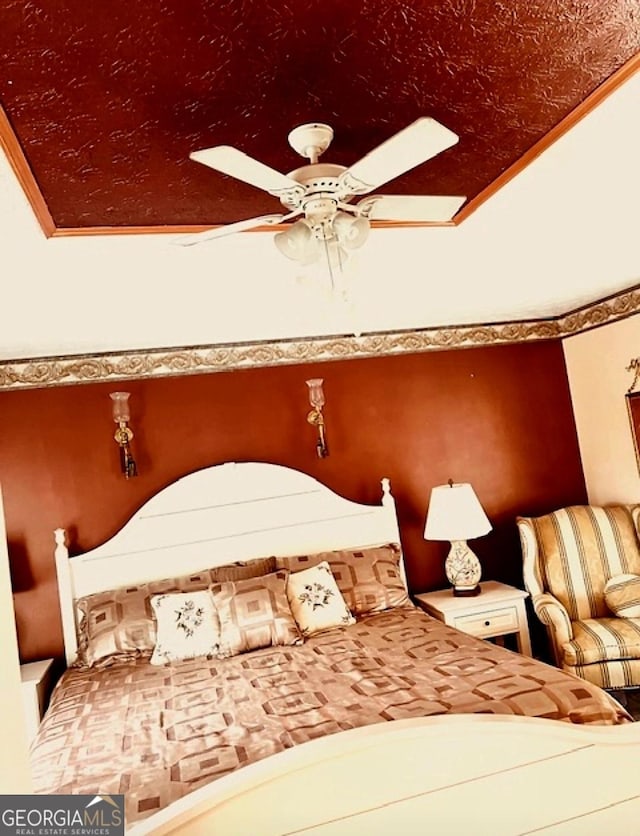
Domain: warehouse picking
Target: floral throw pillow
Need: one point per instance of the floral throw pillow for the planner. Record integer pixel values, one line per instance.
(315, 600)
(187, 627)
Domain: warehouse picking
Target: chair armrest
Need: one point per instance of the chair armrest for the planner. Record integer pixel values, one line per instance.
(556, 619)
(531, 570)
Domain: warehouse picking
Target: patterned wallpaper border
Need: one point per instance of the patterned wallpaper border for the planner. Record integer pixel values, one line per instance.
(128, 365)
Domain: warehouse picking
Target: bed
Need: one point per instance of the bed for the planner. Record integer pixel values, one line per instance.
(273, 704)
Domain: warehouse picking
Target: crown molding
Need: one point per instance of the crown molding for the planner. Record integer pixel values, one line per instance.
(133, 365)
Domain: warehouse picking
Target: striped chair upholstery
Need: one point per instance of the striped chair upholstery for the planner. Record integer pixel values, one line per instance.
(568, 557)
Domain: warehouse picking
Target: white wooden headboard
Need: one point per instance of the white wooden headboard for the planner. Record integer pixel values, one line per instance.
(229, 512)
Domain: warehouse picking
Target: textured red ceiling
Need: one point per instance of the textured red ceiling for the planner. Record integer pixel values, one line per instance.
(106, 100)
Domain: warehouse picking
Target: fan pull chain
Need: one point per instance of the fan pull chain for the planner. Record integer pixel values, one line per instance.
(331, 276)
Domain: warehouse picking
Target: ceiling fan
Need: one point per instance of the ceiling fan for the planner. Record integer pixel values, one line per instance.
(320, 194)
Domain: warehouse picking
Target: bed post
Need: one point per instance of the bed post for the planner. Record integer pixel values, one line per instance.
(66, 594)
(389, 504)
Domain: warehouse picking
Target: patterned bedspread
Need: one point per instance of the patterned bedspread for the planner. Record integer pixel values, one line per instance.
(158, 733)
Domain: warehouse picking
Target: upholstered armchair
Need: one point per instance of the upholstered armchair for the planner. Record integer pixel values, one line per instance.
(569, 559)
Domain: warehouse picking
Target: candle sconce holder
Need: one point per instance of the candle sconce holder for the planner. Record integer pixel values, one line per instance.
(315, 416)
(123, 434)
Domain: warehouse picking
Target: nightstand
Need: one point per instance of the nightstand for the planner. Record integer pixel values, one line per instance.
(498, 611)
(36, 688)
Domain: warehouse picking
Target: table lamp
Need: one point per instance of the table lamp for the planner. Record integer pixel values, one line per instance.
(455, 514)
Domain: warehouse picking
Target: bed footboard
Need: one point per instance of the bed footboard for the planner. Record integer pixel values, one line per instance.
(445, 775)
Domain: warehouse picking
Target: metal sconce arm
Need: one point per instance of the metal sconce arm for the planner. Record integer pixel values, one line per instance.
(123, 436)
(316, 418)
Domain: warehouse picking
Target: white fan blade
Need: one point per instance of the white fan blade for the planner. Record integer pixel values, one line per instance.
(228, 229)
(237, 164)
(418, 142)
(427, 208)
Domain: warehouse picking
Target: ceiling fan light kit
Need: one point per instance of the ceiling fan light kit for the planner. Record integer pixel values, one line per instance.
(321, 193)
(351, 231)
(298, 242)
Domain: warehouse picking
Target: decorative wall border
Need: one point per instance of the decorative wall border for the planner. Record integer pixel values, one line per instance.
(130, 365)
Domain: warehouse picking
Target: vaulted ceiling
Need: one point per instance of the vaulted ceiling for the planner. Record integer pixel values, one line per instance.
(103, 102)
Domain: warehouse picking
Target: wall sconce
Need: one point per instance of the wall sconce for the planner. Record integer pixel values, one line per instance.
(315, 417)
(123, 434)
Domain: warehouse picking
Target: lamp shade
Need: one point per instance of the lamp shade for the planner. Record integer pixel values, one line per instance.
(120, 406)
(316, 395)
(455, 513)
(351, 232)
(298, 243)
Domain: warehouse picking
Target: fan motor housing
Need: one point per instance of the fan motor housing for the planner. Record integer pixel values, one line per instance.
(318, 180)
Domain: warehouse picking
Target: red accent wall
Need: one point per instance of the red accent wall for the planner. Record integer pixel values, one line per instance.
(499, 417)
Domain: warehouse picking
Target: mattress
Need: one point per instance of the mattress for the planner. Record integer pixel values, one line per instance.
(158, 733)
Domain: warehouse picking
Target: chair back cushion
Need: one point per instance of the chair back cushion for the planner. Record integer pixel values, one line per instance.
(580, 548)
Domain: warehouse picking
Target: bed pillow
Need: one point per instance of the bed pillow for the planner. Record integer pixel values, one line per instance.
(119, 624)
(315, 600)
(187, 627)
(369, 579)
(254, 613)
(242, 570)
(622, 595)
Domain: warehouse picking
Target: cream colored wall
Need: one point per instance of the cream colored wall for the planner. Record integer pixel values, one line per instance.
(15, 775)
(596, 365)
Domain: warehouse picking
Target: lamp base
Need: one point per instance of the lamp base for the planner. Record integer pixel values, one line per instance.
(462, 569)
(466, 591)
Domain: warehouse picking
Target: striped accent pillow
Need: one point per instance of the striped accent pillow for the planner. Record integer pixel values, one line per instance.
(581, 547)
(622, 594)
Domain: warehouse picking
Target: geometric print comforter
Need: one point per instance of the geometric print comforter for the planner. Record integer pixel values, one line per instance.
(158, 733)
